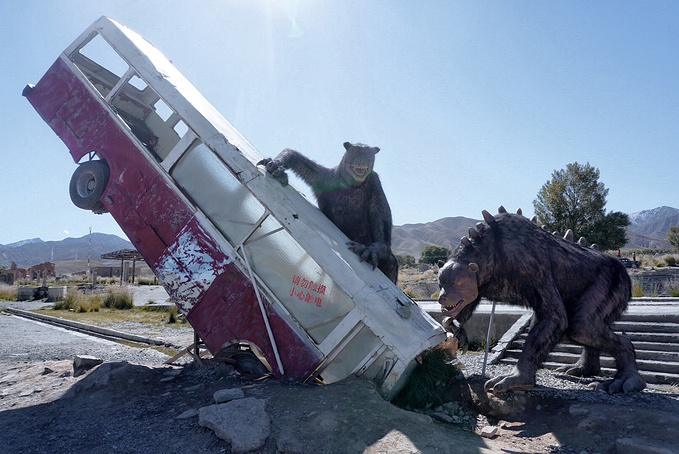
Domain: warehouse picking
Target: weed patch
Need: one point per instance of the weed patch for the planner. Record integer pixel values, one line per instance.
(78, 302)
(118, 298)
(427, 385)
(8, 292)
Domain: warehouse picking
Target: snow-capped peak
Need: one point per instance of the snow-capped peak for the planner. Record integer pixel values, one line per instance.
(645, 216)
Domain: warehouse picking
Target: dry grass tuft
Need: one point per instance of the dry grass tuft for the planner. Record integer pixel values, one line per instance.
(8, 292)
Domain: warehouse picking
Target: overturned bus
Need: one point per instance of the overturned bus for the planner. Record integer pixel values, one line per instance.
(243, 258)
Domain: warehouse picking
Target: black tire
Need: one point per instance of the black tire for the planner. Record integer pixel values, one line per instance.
(87, 185)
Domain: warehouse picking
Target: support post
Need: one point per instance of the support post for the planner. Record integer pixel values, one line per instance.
(490, 328)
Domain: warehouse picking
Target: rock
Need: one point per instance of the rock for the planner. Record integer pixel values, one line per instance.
(586, 424)
(639, 446)
(9, 378)
(170, 374)
(243, 423)
(443, 417)
(452, 408)
(577, 410)
(224, 370)
(489, 431)
(194, 388)
(86, 361)
(227, 395)
(515, 403)
(188, 414)
(47, 371)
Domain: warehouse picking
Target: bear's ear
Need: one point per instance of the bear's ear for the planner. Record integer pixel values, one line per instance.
(347, 145)
(376, 149)
(440, 263)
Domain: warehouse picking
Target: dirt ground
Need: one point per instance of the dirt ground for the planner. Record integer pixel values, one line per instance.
(132, 403)
(123, 407)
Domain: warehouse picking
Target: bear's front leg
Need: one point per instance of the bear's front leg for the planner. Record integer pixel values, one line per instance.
(515, 380)
(549, 327)
(275, 169)
(367, 254)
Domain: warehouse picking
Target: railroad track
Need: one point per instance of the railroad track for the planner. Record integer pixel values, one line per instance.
(92, 330)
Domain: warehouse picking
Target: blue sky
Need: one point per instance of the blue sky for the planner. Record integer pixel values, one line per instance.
(473, 103)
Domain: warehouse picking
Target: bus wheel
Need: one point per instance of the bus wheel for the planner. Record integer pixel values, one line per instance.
(87, 185)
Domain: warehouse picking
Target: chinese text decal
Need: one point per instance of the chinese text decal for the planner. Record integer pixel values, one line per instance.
(307, 291)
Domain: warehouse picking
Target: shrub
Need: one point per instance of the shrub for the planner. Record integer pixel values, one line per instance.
(432, 254)
(410, 292)
(673, 288)
(94, 304)
(671, 260)
(427, 385)
(405, 261)
(637, 288)
(173, 314)
(120, 298)
(78, 302)
(480, 346)
(65, 304)
(8, 292)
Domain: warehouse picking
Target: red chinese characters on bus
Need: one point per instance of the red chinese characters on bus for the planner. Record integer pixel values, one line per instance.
(307, 290)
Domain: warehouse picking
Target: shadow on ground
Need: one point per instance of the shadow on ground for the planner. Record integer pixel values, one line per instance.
(131, 408)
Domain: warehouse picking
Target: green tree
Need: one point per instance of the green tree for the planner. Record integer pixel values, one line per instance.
(673, 236)
(405, 261)
(433, 254)
(575, 199)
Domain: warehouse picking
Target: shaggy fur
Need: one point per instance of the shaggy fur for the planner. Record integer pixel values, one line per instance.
(351, 196)
(574, 291)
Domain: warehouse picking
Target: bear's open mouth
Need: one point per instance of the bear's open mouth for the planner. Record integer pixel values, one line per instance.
(452, 310)
(359, 170)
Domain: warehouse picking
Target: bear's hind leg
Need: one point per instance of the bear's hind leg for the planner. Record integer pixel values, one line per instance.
(596, 336)
(588, 365)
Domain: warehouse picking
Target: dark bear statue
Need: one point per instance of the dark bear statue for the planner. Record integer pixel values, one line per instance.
(351, 196)
(574, 291)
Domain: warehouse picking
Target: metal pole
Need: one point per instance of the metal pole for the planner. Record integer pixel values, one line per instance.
(490, 328)
(262, 309)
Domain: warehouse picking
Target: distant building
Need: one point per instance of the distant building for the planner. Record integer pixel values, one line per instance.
(107, 271)
(45, 269)
(35, 272)
(12, 275)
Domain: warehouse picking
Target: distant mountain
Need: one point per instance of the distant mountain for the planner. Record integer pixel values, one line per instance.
(22, 242)
(649, 216)
(31, 252)
(649, 228)
(647, 231)
(411, 239)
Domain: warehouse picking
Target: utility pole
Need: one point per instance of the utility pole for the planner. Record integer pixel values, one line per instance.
(89, 250)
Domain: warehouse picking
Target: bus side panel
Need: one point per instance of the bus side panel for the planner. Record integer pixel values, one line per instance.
(217, 298)
(52, 92)
(162, 209)
(230, 312)
(220, 302)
